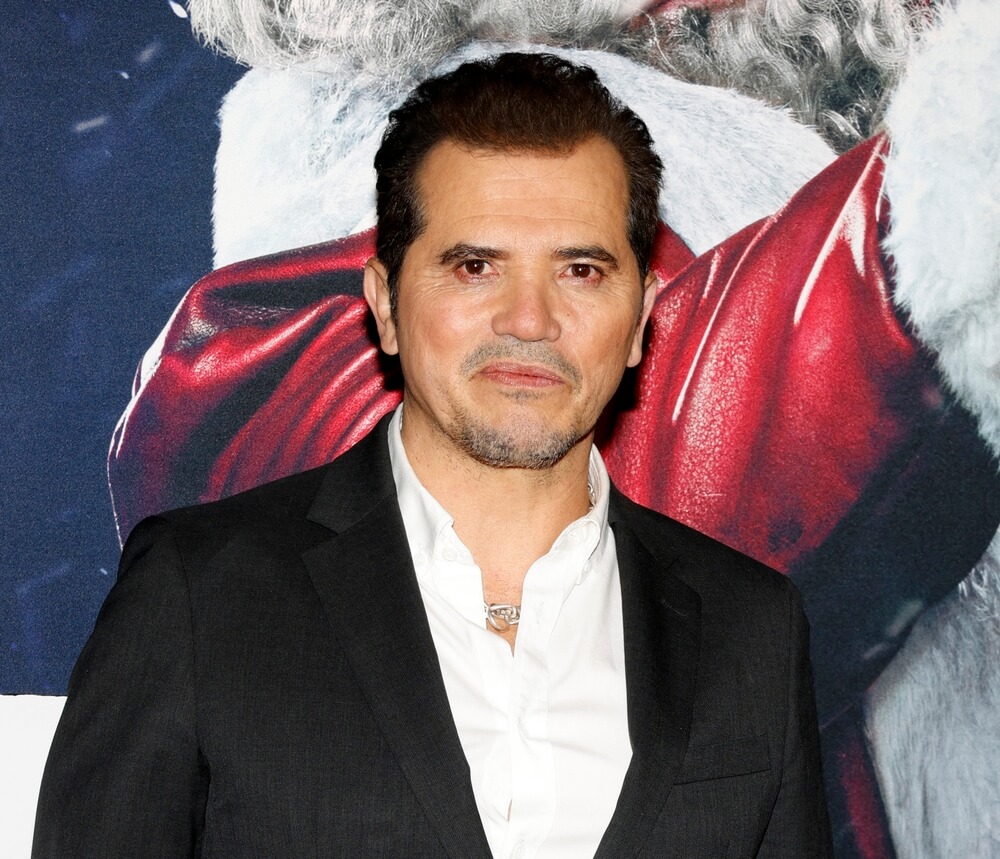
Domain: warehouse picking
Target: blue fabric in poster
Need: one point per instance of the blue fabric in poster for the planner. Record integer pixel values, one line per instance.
(107, 117)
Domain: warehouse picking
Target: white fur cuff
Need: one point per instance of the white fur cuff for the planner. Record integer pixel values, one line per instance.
(943, 185)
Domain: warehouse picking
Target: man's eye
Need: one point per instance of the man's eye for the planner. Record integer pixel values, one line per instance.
(474, 267)
(583, 271)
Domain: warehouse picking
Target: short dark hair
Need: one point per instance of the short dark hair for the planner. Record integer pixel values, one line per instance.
(509, 103)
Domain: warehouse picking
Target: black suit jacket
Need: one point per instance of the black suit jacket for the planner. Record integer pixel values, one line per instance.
(262, 682)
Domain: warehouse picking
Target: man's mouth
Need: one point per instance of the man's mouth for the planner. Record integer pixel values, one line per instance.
(518, 375)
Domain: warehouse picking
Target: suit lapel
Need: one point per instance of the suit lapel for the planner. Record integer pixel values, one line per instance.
(365, 580)
(662, 623)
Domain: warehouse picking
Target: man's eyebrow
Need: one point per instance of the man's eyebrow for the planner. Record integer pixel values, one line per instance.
(594, 252)
(462, 251)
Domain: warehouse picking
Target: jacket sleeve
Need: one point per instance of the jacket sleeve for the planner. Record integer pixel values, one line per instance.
(799, 824)
(124, 776)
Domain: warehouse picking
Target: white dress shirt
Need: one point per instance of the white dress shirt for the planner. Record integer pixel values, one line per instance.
(545, 728)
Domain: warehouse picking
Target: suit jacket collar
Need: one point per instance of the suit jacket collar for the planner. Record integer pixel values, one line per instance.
(365, 579)
(356, 482)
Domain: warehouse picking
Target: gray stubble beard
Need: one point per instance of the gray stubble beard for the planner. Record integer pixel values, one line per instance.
(496, 447)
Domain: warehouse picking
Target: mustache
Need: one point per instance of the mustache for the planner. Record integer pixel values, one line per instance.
(529, 352)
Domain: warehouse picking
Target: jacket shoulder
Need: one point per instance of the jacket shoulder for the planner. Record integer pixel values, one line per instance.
(272, 517)
(709, 566)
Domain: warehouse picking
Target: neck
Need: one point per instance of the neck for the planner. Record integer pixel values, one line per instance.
(507, 517)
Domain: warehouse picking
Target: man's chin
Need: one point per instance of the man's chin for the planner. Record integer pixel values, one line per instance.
(534, 448)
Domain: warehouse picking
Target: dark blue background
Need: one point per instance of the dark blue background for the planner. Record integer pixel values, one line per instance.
(108, 130)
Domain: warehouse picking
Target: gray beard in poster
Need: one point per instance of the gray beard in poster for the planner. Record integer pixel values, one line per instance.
(831, 63)
(395, 42)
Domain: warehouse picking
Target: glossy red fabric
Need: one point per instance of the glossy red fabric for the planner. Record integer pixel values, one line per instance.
(777, 377)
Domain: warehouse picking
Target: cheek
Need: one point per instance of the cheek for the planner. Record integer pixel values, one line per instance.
(431, 340)
(444, 318)
(604, 350)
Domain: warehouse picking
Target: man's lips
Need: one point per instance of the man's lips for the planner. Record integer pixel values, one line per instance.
(521, 365)
(520, 375)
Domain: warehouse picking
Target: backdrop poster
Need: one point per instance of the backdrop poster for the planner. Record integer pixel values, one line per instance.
(823, 389)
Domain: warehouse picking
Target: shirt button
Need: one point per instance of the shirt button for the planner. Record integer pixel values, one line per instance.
(522, 729)
(450, 554)
(518, 850)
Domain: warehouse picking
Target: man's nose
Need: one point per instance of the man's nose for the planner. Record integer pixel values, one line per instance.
(526, 309)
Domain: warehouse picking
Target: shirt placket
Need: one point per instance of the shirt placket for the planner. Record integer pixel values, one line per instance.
(533, 777)
(459, 578)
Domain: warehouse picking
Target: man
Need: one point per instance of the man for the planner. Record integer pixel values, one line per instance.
(457, 639)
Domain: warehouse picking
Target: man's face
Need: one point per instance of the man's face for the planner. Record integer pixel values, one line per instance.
(520, 304)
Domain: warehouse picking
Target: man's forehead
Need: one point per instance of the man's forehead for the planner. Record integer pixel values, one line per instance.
(458, 178)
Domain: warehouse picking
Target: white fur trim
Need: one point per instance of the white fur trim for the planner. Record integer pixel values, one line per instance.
(934, 719)
(294, 165)
(943, 184)
(294, 161)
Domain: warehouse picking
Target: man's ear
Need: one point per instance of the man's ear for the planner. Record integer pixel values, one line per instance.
(648, 300)
(376, 287)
